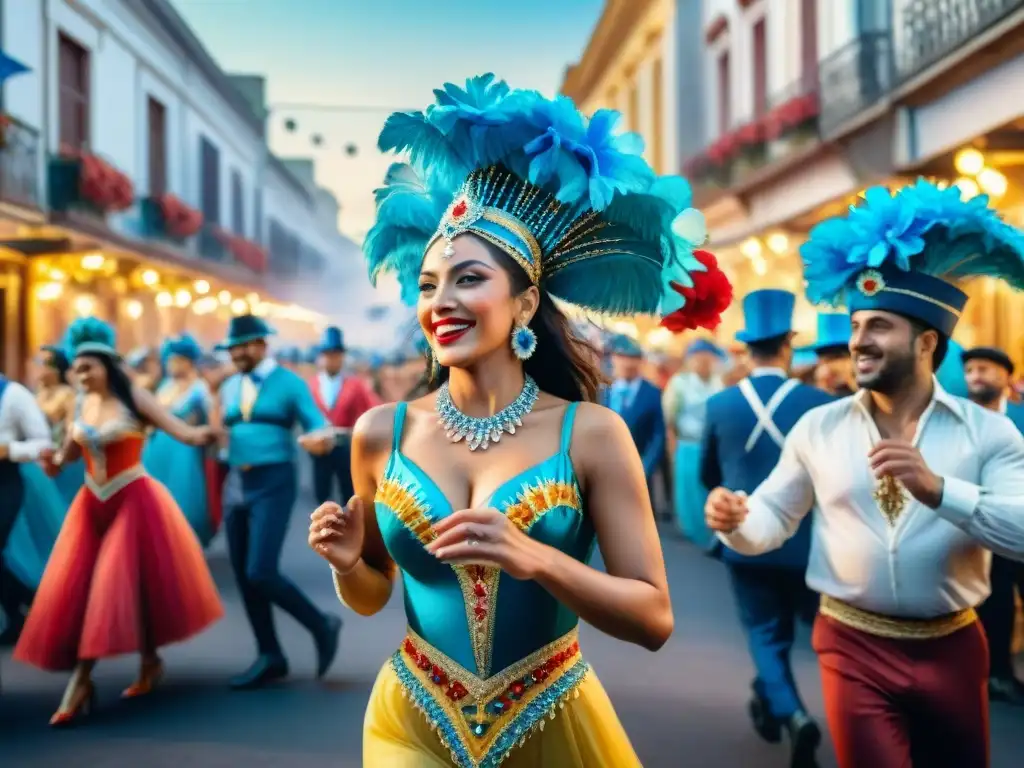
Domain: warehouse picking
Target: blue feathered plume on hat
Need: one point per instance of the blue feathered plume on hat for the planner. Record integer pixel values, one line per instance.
(922, 228)
(603, 220)
(181, 346)
(90, 336)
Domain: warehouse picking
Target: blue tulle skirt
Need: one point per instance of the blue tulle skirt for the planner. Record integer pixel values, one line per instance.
(690, 495)
(182, 470)
(70, 480)
(36, 528)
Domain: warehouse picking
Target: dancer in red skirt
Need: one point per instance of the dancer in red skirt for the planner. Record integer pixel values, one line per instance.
(127, 574)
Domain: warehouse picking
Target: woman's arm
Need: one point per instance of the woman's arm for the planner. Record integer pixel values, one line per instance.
(630, 601)
(163, 419)
(367, 588)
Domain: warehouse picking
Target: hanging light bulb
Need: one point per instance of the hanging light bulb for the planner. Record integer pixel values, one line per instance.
(224, 297)
(84, 305)
(751, 248)
(182, 298)
(202, 287)
(93, 261)
(778, 243)
(992, 182)
(968, 161)
(164, 299)
(150, 277)
(133, 309)
(968, 188)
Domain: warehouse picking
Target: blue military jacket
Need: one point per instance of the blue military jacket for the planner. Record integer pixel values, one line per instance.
(743, 436)
(1015, 413)
(646, 422)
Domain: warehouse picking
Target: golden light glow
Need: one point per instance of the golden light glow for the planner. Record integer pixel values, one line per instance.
(58, 275)
(760, 266)
(205, 305)
(224, 297)
(992, 182)
(150, 277)
(49, 291)
(969, 161)
(202, 287)
(182, 298)
(93, 261)
(239, 306)
(164, 299)
(262, 309)
(751, 248)
(133, 308)
(968, 188)
(778, 243)
(253, 298)
(84, 305)
(625, 327)
(659, 337)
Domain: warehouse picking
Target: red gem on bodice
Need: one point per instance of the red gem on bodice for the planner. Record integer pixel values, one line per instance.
(460, 209)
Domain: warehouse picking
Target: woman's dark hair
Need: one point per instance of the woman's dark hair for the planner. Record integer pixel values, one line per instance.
(119, 384)
(59, 362)
(563, 365)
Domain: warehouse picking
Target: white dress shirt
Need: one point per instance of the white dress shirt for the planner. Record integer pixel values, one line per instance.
(330, 387)
(932, 562)
(23, 427)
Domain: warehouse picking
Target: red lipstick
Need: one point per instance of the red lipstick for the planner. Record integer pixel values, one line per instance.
(451, 329)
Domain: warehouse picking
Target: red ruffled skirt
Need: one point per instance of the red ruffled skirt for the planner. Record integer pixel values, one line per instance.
(125, 575)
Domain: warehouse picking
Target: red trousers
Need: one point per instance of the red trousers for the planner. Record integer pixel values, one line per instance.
(905, 703)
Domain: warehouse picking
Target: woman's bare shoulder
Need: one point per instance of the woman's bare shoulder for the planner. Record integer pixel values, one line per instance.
(373, 430)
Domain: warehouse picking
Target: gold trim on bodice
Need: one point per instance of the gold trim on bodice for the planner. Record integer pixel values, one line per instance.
(894, 627)
(108, 490)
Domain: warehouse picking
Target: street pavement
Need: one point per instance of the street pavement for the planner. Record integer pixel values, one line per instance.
(684, 706)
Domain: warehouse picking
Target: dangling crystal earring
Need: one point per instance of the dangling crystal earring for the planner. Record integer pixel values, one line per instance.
(524, 342)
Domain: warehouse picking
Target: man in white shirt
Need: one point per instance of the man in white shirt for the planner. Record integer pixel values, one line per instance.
(911, 487)
(24, 435)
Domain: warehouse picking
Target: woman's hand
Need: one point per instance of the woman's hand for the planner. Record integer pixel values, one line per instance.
(487, 537)
(337, 534)
(50, 459)
(201, 435)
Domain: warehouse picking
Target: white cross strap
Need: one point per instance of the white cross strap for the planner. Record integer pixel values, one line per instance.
(765, 412)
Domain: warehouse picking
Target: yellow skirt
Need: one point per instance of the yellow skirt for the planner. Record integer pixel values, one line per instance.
(586, 733)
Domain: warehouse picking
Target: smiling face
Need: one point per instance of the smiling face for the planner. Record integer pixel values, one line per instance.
(987, 381)
(468, 303)
(887, 350)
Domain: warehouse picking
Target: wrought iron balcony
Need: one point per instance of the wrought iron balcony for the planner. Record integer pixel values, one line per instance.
(855, 78)
(19, 163)
(930, 30)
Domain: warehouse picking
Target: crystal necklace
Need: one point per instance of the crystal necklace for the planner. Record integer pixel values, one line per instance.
(480, 433)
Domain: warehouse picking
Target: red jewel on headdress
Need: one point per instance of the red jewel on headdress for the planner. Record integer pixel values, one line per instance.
(870, 282)
(460, 209)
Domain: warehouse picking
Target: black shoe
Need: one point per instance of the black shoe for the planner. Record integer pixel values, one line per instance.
(767, 725)
(1008, 690)
(804, 739)
(266, 669)
(327, 644)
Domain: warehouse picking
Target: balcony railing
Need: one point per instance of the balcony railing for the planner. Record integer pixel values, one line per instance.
(19, 164)
(854, 78)
(930, 30)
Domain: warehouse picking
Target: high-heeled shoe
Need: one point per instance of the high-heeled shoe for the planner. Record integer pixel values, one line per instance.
(82, 705)
(149, 678)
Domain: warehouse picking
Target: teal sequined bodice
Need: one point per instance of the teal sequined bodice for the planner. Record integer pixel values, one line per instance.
(478, 617)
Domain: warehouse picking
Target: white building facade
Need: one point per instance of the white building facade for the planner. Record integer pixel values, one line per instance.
(126, 81)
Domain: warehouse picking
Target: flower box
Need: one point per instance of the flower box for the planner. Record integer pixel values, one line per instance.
(82, 180)
(169, 217)
(792, 115)
(245, 252)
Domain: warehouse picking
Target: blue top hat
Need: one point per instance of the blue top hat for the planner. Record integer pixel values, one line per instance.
(245, 328)
(703, 345)
(332, 340)
(833, 331)
(767, 314)
(310, 355)
(805, 357)
(625, 346)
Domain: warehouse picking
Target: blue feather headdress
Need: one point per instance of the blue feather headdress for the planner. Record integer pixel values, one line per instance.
(181, 346)
(571, 201)
(907, 252)
(90, 336)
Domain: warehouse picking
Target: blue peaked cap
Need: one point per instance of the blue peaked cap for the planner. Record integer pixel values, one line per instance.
(625, 346)
(703, 345)
(571, 201)
(767, 314)
(906, 252)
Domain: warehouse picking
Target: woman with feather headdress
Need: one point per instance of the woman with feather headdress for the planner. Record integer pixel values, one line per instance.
(127, 574)
(488, 495)
(912, 487)
(182, 468)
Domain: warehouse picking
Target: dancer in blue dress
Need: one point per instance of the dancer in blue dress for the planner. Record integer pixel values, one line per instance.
(180, 467)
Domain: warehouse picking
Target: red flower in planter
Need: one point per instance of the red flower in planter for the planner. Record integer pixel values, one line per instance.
(103, 185)
(750, 134)
(245, 251)
(709, 297)
(180, 219)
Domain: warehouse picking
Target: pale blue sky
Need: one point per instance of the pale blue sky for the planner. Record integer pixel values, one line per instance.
(388, 53)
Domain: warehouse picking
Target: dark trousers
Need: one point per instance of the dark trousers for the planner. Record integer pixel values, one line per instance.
(899, 703)
(999, 614)
(12, 494)
(336, 465)
(256, 530)
(770, 602)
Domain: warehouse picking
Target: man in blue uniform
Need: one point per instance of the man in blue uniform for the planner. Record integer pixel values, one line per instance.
(260, 406)
(637, 401)
(835, 365)
(988, 372)
(744, 432)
